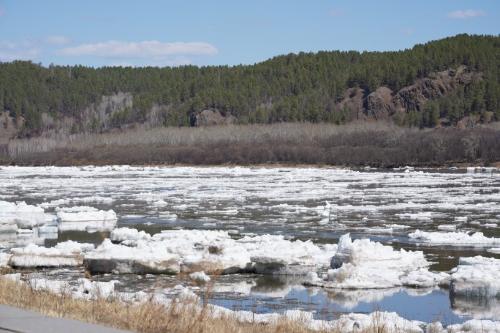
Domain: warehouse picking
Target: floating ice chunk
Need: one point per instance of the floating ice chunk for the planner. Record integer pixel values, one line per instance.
(363, 264)
(185, 293)
(199, 277)
(67, 201)
(22, 215)
(54, 203)
(4, 259)
(458, 238)
(119, 235)
(447, 227)
(474, 325)
(74, 247)
(168, 216)
(83, 288)
(145, 257)
(159, 203)
(381, 230)
(93, 198)
(424, 278)
(53, 286)
(68, 253)
(326, 213)
(421, 216)
(389, 322)
(275, 255)
(495, 250)
(476, 277)
(48, 229)
(8, 227)
(94, 289)
(210, 251)
(83, 218)
(396, 226)
(298, 315)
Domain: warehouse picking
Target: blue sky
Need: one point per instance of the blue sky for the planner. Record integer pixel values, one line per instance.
(169, 33)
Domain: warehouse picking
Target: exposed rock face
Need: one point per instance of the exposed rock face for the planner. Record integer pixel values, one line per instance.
(211, 118)
(383, 102)
(352, 101)
(379, 104)
(414, 97)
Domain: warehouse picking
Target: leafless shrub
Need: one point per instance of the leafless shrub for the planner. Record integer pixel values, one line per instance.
(356, 144)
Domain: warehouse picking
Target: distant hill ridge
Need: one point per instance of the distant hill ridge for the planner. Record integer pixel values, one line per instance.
(448, 82)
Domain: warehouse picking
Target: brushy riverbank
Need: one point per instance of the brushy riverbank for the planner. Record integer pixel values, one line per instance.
(358, 144)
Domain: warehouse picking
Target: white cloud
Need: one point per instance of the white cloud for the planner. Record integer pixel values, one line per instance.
(143, 49)
(57, 40)
(465, 14)
(167, 61)
(10, 51)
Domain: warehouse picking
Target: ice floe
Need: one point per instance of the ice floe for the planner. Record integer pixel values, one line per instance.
(145, 257)
(4, 259)
(21, 215)
(421, 216)
(199, 277)
(459, 238)
(85, 200)
(364, 264)
(476, 277)
(83, 288)
(211, 251)
(447, 227)
(84, 218)
(119, 235)
(474, 326)
(67, 253)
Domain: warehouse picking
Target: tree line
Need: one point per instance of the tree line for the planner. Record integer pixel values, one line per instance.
(302, 87)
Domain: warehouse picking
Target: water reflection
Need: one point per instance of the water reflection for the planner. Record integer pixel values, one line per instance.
(270, 294)
(476, 307)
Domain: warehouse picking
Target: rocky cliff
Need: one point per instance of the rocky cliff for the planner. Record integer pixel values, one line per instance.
(383, 103)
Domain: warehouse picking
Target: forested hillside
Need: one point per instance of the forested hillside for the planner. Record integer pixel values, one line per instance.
(441, 83)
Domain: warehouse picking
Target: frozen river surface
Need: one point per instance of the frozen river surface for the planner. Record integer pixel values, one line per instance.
(447, 214)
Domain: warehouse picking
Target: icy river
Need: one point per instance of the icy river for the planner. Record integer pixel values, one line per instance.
(422, 243)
